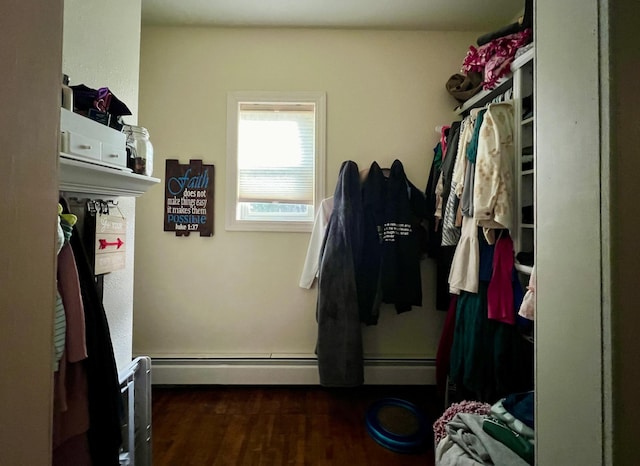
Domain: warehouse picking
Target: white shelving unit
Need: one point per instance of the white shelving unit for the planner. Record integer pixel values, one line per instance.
(524, 231)
(93, 160)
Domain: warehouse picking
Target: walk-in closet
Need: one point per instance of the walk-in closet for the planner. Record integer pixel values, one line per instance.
(406, 300)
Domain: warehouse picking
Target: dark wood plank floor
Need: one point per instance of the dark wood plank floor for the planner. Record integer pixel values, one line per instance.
(276, 425)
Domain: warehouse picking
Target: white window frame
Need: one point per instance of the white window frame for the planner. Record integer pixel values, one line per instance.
(234, 98)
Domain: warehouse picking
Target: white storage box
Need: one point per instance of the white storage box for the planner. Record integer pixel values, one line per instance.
(87, 140)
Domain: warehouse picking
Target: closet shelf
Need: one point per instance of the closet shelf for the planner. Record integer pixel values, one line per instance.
(527, 121)
(484, 97)
(527, 269)
(99, 180)
(523, 59)
(527, 172)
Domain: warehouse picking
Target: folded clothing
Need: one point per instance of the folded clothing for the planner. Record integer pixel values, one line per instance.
(521, 405)
(514, 441)
(498, 411)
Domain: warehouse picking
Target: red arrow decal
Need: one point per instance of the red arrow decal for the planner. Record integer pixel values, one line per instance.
(104, 243)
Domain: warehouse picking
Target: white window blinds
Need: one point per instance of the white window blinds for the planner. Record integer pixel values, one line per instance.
(276, 152)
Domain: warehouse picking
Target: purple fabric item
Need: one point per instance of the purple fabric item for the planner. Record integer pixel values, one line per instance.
(500, 303)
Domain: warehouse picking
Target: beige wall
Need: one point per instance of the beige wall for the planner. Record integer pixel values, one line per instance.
(29, 113)
(237, 293)
(108, 56)
(572, 228)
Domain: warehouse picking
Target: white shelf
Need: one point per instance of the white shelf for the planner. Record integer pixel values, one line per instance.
(527, 225)
(524, 268)
(527, 121)
(484, 97)
(523, 59)
(527, 172)
(95, 180)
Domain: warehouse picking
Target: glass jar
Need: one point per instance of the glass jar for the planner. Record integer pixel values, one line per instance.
(139, 150)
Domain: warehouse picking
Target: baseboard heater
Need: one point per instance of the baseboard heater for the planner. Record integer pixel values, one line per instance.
(283, 371)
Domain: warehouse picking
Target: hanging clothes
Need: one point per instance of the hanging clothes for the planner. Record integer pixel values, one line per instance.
(71, 404)
(494, 185)
(464, 274)
(312, 260)
(528, 306)
(404, 209)
(500, 304)
(369, 270)
(442, 189)
(488, 358)
(103, 387)
(434, 234)
(339, 343)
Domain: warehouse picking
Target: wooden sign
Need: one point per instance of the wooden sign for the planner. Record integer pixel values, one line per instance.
(110, 244)
(188, 205)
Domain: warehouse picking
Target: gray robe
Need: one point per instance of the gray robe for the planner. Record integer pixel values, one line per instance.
(339, 345)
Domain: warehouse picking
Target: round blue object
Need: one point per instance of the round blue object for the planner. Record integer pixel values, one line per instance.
(397, 425)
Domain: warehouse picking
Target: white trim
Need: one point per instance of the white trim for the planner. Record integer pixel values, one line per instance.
(294, 371)
(97, 179)
(233, 99)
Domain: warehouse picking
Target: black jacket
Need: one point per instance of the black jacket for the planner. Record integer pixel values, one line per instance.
(404, 209)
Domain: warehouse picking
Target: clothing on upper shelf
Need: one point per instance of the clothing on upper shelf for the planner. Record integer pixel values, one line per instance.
(494, 58)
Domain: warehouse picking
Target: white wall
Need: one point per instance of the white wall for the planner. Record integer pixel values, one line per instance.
(29, 113)
(102, 49)
(236, 293)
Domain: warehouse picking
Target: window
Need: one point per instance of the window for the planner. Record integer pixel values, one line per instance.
(275, 160)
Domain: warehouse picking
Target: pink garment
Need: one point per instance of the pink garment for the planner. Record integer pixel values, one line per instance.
(443, 140)
(69, 288)
(500, 292)
(528, 306)
(494, 58)
(71, 402)
(71, 418)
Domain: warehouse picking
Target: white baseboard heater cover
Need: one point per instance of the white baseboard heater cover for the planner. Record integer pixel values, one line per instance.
(283, 371)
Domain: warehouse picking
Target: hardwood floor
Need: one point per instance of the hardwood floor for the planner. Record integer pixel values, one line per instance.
(276, 425)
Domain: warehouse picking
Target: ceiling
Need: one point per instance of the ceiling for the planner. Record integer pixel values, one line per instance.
(472, 15)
